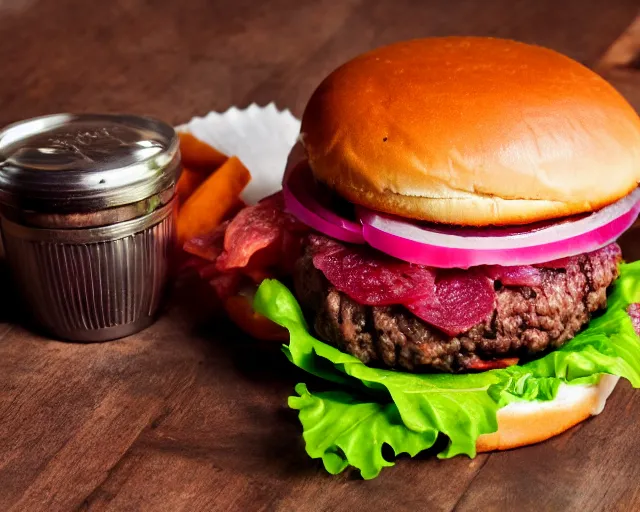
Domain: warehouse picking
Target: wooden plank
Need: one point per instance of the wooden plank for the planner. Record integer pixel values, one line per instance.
(233, 442)
(179, 419)
(592, 467)
(624, 52)
(421, 484)
(69, 412)
(174, 61)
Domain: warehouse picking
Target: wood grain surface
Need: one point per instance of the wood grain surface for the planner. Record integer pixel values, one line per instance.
(189, 414)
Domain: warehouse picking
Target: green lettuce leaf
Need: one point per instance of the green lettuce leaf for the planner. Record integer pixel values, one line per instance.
(354, 427)
(407, 412)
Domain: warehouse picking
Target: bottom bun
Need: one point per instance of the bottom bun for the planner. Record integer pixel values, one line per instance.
(523, 423)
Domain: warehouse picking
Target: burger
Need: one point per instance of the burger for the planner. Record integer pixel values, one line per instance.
(443, 253)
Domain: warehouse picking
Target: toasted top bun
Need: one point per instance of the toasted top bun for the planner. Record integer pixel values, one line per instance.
(472, 131)
(523, 423)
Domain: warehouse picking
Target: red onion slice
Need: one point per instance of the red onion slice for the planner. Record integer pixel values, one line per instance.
(511, 237)
(447, 248)
(300, 199)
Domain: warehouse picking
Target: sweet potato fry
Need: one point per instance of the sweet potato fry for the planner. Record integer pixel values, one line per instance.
(189, 181)
(198, 155)
(241, 312)
(210, 203)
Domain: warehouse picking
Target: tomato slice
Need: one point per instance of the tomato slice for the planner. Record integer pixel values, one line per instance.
(240, 310)
(492, 364)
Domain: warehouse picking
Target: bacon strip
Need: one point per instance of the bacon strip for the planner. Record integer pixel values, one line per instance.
(261, 241)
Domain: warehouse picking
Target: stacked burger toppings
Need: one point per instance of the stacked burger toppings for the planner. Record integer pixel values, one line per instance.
(398, 314)
(447, 320)
(455, 211)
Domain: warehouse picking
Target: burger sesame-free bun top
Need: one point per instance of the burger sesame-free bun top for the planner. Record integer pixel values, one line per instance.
(472, 131)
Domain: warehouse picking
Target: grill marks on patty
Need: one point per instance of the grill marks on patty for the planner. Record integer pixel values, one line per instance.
(525, 321)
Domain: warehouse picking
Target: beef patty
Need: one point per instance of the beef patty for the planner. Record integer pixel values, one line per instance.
(526, 320)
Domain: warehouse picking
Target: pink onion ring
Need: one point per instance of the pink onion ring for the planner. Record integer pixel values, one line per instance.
(299, 200)
(443, 248)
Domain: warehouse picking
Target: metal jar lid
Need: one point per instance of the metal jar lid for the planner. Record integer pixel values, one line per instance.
(85, 162)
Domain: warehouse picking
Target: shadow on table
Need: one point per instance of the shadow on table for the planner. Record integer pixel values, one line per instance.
(11, 307)
(195, 302)
(268, 379)
(256, 360)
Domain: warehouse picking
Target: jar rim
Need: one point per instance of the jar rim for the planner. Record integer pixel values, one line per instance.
(86, 162)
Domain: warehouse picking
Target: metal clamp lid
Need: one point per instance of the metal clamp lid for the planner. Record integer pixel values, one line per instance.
(85, 162)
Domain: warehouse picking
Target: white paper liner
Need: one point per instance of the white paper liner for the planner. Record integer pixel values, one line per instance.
(261, 137)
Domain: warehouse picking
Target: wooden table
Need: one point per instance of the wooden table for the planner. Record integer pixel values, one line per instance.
(190, 415)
